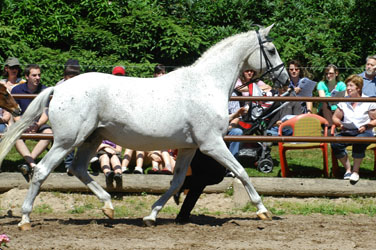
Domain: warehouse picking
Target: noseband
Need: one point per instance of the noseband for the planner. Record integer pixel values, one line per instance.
(269, 66)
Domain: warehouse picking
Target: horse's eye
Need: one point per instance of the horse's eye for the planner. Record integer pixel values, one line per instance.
(6, 94)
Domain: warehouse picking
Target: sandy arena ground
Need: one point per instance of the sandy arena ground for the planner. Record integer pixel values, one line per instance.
(60, 230)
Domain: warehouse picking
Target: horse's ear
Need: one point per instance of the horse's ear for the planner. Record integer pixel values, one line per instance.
(267, 30)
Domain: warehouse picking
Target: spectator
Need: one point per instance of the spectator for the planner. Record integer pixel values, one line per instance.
(329, 86)
(369, 77)
(118, 71)
(32, 86)
(162, 162)
(159, 70)
(5, 116)
(204, 171)
(127, 159)
(71, 69)
(109, 158)
(12, 72)
(354, 119)
(245, 78)
(301, 84)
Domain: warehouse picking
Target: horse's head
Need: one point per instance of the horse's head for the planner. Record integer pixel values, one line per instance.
(265, 59)
(7, 101)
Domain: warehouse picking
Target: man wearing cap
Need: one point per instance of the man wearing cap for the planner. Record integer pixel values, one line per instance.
(32, 86)
(12, 72)
(118, 71)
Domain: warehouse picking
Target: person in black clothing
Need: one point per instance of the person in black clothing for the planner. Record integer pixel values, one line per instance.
(205, 171)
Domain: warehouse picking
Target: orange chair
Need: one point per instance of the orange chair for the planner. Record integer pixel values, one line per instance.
(304, 125)
(335, 168)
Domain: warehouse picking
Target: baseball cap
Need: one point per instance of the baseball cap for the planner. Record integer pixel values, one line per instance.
(118, 70)
(12, 61)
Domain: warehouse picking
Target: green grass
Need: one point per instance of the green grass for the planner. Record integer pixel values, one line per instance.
(302, 163)
(307, 164)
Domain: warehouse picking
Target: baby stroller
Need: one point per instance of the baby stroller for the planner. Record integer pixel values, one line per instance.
(255, 123)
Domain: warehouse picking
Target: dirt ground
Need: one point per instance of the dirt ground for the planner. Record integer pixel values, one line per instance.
(58, 229)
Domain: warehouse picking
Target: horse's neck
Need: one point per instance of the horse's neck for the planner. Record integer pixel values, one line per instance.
(225, 60)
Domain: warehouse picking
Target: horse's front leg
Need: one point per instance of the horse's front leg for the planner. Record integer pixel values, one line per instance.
(217, 149)
(184, 159)
(41, 172)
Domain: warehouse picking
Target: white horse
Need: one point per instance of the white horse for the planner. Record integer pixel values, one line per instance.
(185, 109)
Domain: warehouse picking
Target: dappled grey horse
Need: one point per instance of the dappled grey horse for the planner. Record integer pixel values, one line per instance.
(185, 109)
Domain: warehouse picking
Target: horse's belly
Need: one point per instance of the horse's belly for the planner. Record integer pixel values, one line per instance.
(149, 141)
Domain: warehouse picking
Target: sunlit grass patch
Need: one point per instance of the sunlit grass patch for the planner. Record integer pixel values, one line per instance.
(43, 209)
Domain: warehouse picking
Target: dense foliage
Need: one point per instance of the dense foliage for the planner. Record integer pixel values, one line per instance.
(138, 34)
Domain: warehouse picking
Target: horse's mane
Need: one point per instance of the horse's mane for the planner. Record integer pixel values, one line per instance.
(220, 45)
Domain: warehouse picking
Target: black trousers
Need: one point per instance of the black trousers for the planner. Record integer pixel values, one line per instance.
(205, 171)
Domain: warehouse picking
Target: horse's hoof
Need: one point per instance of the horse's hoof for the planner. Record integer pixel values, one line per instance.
(149, 222)
(25, 226)
(265, 215)
(108, 212)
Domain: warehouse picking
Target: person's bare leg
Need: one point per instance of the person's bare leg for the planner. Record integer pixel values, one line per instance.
(139, 162)
(167, 160)
(126, 159)
(23, 150)
(346, 163)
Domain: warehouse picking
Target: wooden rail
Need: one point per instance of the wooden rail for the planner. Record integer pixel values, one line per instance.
(253, 138)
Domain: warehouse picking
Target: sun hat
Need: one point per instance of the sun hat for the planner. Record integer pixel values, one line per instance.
(12, 61)
(118, 70)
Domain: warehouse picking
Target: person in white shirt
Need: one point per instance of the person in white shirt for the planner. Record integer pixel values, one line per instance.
(354, 119)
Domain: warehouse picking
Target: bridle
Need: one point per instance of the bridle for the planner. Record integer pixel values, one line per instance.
(269, 66)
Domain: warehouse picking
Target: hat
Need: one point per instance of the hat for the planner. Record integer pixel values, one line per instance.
(118, 70)
(12, 61)
(72, 62)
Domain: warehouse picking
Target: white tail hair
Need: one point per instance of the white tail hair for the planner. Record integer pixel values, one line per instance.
(15, 131)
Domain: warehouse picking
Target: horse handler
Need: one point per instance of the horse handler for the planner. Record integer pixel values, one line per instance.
(204, 171)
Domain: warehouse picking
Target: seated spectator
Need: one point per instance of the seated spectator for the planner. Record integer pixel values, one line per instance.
(5, 116)
(127, 159)
(12, 73)
(301, 84)
(162, 162)
(32, 86)
(109, 158)
(328, 87)
(71, 69)
(354, 119)
(118, 71)
(159, 70)
(369, 77)
(245, 78)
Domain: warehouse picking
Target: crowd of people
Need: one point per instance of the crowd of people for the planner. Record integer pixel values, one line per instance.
(352, 118)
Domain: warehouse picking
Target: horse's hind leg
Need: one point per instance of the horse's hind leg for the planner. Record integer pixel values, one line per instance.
(217, 149)
(184, 159)
(79, 168)
(41, 171)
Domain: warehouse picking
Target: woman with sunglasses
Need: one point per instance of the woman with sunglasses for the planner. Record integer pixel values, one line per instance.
(330, 86)
(12, 72)
(298, 77)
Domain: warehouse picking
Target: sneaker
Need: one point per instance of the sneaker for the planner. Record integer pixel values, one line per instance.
(26, 171)
(354, 178)
(94, 159)
(125, 170)
(138, 170)
(153, 171)
(347, 176)
(230, 174)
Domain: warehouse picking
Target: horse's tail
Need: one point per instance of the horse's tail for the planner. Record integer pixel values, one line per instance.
(15, 131)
